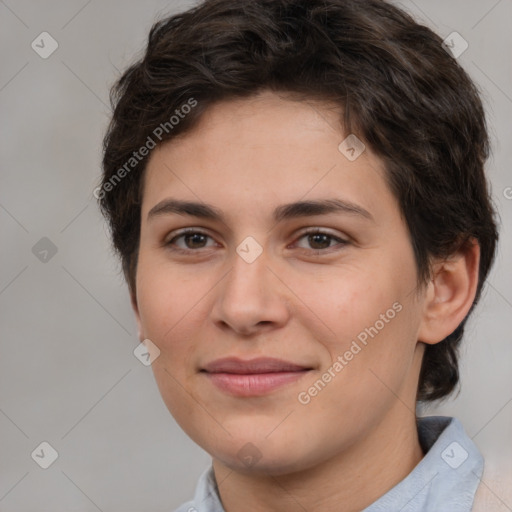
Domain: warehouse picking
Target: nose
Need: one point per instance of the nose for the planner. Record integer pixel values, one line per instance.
(251, 298)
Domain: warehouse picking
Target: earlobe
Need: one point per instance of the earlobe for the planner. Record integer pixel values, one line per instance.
(450, 293)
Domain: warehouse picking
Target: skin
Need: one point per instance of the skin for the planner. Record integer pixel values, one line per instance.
(303, 299)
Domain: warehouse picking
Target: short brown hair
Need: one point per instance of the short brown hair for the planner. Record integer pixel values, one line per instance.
(399, 90)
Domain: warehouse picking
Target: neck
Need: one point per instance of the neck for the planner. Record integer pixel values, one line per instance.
(355, 478)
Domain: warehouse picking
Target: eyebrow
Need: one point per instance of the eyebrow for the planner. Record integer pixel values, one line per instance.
(283, 212)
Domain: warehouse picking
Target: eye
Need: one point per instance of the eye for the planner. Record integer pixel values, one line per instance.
(191, 239)
(319, 240)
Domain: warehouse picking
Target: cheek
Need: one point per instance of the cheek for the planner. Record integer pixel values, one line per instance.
(164, 296)
(346, 304)
(364, 379)
(367, 321)
(170, 309)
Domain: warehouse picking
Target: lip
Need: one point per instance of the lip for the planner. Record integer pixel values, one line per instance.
(254, 377)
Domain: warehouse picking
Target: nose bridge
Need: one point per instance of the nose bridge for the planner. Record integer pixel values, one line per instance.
(247, 278)
(250, 293)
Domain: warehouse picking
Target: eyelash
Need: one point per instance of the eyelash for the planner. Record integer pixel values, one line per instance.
(310, 232)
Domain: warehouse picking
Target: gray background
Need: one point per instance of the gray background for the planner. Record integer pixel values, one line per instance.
(68, 375)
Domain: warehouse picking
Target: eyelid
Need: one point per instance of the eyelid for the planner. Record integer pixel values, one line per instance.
(182, 232)
(342, 240)
(324, 231)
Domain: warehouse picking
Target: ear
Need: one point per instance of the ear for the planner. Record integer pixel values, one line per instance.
(450, 293)
(135, 307)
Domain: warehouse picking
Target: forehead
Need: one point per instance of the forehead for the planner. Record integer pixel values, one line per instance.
(266, 150)
(267, 119)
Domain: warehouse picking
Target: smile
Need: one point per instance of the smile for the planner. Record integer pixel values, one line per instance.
(255, 377)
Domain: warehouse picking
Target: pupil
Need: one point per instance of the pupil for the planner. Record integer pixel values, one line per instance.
(195, 238)
(324, 238)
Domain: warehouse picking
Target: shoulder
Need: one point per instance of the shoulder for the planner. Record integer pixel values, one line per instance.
(206, 497)
(494, 494)
(187, 507)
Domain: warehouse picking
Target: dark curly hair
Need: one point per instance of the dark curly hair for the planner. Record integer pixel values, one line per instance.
(399, 89)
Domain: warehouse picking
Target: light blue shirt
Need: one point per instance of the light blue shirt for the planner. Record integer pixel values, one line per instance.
(445, 480)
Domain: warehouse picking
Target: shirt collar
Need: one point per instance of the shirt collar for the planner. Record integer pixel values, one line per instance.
(446, 479)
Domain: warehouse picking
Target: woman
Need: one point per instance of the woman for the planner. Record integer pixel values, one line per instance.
(296, 191)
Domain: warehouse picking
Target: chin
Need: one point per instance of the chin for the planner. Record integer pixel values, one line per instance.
(256, 455)
(276, 465)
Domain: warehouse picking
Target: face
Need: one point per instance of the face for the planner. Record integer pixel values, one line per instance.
(285, 308)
